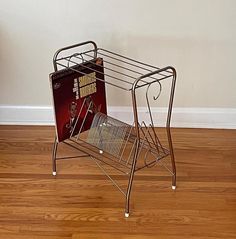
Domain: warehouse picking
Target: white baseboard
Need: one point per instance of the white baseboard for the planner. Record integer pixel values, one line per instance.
(224, 118)
(26, 115)
(221, 118)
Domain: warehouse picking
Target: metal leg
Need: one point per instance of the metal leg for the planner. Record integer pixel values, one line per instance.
(131, 177)
(174, 171)
(135, 152)
(168, 129)
(172, 159)
(54, 157)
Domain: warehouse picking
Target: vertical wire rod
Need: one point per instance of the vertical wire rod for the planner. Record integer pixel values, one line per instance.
(77, 118)
(82, 124)
(125, 144)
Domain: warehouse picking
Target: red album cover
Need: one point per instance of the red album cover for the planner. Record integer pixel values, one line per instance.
(78, 95)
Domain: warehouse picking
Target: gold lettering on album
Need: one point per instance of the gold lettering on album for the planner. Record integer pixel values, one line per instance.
(85, 85)
(87, 79)
(88, 90)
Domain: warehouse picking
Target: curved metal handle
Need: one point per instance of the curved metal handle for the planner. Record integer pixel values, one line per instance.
(73, 46)
(170, 69)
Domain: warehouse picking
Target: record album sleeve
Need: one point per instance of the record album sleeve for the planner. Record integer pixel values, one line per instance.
(78, 94)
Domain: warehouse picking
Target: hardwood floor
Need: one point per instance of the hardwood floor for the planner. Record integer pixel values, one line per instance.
(81, 203)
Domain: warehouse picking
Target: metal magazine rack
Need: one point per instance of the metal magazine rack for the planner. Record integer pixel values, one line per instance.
(110, 142)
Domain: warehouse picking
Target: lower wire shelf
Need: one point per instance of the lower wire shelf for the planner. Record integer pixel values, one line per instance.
(116, 141)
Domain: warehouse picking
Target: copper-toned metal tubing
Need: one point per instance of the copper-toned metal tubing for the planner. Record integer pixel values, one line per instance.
(130, 59)
(54, 155)
(84, 151)
(88, 147)
(168, 126)
(73, 46)
(109, 83)
(129, 63)
(111, 135)
(136, 125)
(122, 67)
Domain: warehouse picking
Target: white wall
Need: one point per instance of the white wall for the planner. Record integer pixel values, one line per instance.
(198, 37)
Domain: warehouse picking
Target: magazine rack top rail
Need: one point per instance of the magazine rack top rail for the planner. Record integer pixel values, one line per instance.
(109, 141)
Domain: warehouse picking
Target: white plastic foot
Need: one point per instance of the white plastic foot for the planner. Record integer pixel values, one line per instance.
(173, 187)
(101, 151)
(54, 173)
(126, 214)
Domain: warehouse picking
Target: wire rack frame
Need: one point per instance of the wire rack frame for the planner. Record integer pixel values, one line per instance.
(127, 148)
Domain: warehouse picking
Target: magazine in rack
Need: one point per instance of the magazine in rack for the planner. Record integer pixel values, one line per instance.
(77, 96)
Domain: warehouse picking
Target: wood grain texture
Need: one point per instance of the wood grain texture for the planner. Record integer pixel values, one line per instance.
(81, 203)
